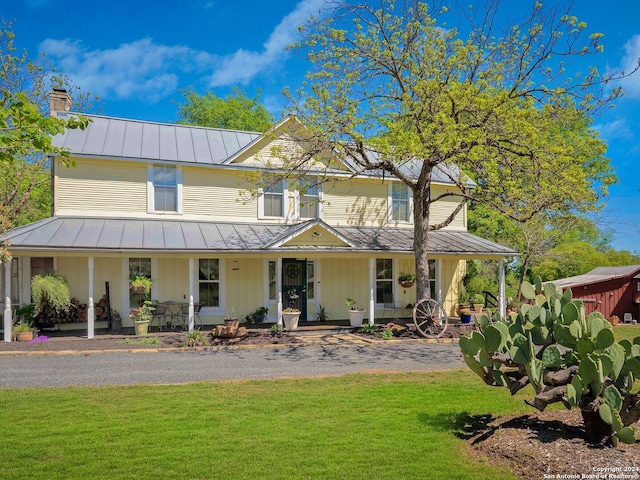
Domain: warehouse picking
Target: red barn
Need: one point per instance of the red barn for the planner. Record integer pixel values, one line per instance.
(608, 290)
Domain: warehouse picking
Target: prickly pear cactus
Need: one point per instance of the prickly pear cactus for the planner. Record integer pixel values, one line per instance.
(565, 356)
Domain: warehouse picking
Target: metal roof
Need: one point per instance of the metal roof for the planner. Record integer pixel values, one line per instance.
(136, 139)
(111, 137)
(599, 274)
(122, 235)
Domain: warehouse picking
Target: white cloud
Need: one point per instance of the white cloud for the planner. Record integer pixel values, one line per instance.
(242, 66)
(141, 68)
(617, 129)
(631, 85)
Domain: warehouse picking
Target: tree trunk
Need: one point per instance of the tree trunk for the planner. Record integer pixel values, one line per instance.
(596, 430)
(421, 204)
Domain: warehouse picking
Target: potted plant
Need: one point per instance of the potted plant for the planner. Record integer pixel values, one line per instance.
(356, 314)
(406, 280)
(321, 314)
(141, 317)
(465, 315)
(260, 314)
(290, 317)
(478, 302)
(23, 332)
(51, 295)
(141, 285)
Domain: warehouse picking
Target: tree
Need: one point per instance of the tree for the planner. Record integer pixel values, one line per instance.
(25, 131)
(394, 89)
(237, 111)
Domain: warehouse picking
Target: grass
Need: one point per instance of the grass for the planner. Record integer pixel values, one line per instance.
(628, 332)
(391, 426)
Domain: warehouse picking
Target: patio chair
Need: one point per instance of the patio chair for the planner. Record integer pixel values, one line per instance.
(394, 308)
(184, 314)
(159, 316)
(627, 318)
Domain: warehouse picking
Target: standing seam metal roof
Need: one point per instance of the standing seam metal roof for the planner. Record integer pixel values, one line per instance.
(126, 234)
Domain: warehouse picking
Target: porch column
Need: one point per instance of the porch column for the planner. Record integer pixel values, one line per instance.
(90, 312)
(502, 304)
(7, 301)
(279, 289)
(191, 318)
(439, 280)
(372, 285)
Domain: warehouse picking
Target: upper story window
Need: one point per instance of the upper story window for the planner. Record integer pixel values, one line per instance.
(273, 198)
(309, 199)
(165, 188)
(400, 210)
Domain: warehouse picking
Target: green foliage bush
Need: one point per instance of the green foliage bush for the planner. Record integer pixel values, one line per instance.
(50, 289)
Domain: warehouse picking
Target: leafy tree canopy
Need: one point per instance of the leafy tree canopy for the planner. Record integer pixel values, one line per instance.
(26, 130)
(399, 87)
(236, 111)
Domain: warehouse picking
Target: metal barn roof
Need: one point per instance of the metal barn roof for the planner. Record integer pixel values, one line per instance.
(599, 274)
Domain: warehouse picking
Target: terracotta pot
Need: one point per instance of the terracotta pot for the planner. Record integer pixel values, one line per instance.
(24, 336)
(477, 307)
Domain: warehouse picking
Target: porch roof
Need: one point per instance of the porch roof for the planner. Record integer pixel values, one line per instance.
(123, 235)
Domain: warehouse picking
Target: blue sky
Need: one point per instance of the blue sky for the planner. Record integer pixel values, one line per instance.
(138, 54)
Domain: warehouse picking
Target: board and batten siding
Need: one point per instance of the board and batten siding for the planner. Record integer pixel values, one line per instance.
(101, 187)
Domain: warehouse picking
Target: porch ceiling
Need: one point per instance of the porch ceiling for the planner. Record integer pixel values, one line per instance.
(121, 235)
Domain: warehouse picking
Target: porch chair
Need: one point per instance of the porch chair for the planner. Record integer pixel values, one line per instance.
(159, 316)
(394, 308)
(627, 318)
(184, 315)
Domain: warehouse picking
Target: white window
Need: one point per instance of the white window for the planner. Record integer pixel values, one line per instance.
(209, 282)
(139, 267)
(273, 200)
(165, 188)
(400, 203)
(309, 199)
(384, 280)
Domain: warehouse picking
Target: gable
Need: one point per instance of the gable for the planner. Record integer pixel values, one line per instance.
(317, 236)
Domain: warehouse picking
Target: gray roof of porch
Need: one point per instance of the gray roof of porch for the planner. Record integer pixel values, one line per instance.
(98, 234)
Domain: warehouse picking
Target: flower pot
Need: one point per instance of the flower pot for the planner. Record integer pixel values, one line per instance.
(141, 328)
(477, 307)
(465, 318)
(355, 317)
(407, 283)
(290, 320)
(24, 336)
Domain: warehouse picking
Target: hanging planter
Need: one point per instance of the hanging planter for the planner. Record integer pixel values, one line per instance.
(406, 280)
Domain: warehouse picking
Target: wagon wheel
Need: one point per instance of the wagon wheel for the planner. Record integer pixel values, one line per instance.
(430, 318)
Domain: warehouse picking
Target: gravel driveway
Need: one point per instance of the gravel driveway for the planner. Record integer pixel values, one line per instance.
(123, 368)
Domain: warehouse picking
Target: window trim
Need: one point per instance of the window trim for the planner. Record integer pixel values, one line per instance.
(298, 204)
(209, 310)
(285, 195)
(390, 201)
(151, 190)
(394, 268)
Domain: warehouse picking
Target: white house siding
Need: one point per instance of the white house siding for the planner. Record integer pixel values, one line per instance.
(98, 187)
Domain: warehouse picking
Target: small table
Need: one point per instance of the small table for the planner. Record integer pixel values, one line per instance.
(173, 310)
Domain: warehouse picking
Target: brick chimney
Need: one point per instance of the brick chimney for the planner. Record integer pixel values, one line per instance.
(59, 101)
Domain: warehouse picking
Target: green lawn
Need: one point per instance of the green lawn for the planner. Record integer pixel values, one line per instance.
(396, 426)
(629, 332)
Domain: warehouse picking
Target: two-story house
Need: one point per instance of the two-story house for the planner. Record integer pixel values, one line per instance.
(171, 202)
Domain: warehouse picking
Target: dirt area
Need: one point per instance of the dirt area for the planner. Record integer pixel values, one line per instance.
(548, 445)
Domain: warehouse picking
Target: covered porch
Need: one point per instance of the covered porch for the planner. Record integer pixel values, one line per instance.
(236, 268)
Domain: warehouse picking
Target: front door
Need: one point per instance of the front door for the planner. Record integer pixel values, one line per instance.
(294, 285)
